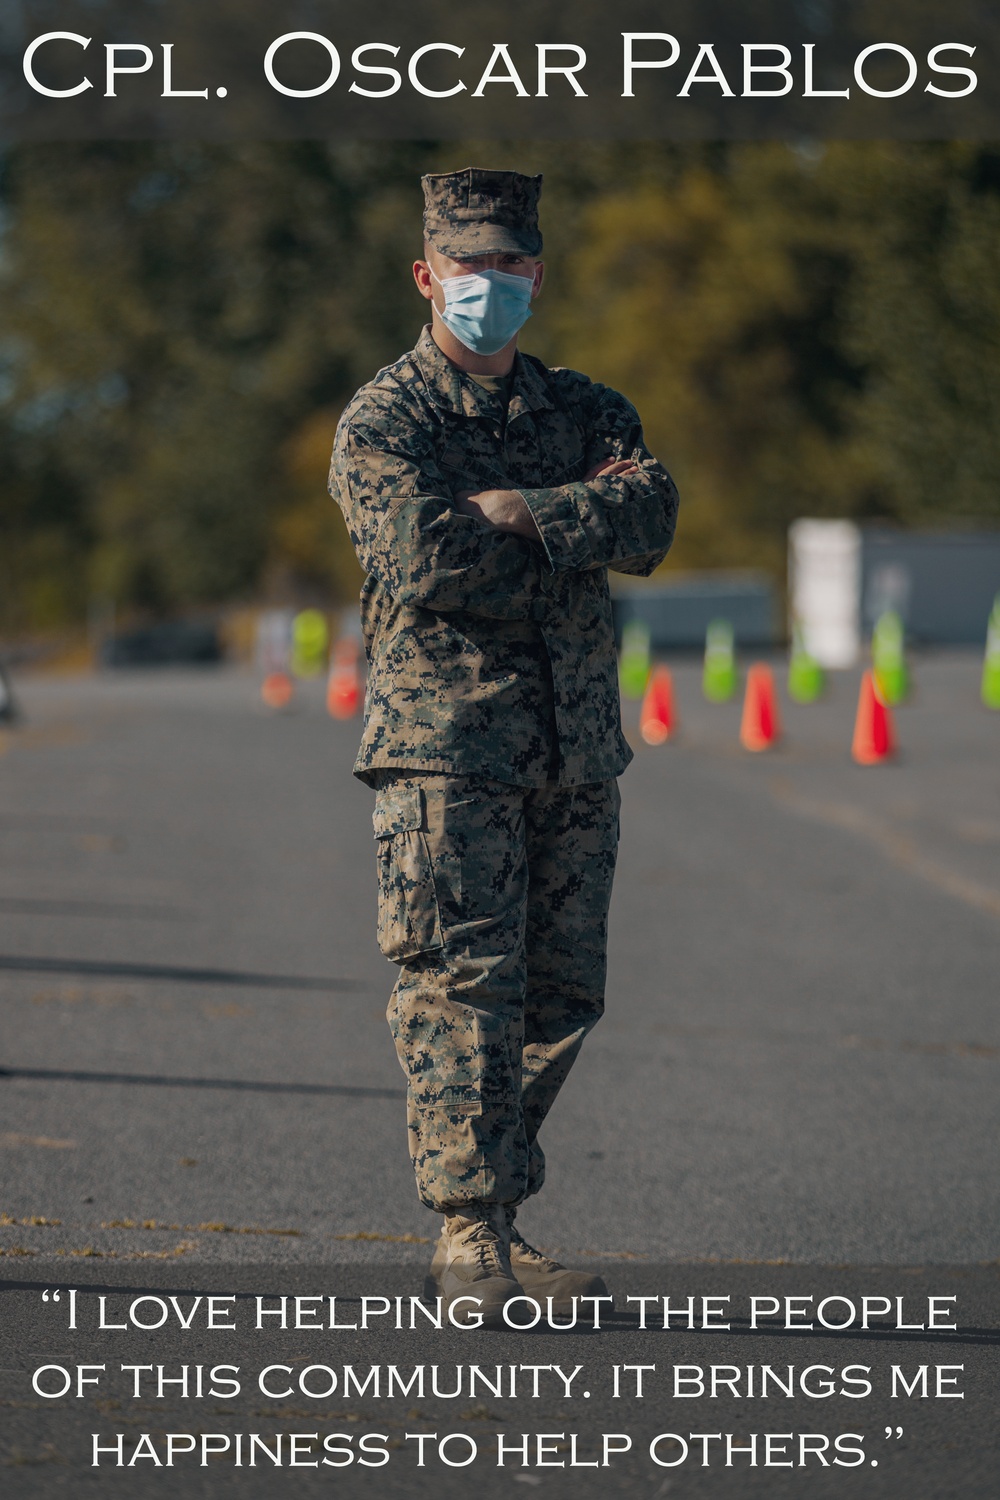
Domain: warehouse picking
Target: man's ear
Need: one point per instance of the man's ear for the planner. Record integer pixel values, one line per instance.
(538, 279)
(422, 276)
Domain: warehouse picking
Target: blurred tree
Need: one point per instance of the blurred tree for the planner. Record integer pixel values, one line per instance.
(805, 331)
(310, 546)
(925, 322)
(715, 305)
(810, 330)
(172, 315)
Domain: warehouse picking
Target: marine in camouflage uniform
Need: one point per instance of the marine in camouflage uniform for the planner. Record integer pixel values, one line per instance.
(492, 731)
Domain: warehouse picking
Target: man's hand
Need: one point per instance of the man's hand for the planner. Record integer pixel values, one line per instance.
(505, 510)
(609, 468)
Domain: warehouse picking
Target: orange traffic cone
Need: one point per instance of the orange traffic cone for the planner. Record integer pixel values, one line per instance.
(874, 731)
(761, 726)
(657, 719)
(343, 689)
(276, 690)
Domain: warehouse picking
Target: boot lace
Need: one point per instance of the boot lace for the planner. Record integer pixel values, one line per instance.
(526, 1252)
(485, 1243)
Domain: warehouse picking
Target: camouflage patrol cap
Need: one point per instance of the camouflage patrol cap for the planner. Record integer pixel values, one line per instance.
(481, 212)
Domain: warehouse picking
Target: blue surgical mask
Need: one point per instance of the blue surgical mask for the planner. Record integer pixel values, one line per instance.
(485, 309)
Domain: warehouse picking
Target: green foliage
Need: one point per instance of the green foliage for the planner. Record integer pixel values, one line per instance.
(173, 315)
(810, 331)
(925, 322)
(709, 313)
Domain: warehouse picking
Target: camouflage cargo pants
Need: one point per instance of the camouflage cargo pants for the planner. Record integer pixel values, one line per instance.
(493, 901)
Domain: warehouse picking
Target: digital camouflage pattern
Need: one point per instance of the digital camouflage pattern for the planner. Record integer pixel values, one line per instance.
(490, 654)
(492, 736)
(493, 900)
(481, 212)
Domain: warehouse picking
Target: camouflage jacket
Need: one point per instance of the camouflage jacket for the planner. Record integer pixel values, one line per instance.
(489, 653)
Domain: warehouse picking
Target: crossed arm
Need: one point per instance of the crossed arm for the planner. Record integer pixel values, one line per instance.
(620, 514)
(506, 554)
(507, 510)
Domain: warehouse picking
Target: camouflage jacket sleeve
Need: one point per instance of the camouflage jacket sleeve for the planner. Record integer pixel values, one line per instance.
(399, 512)
(624, 523)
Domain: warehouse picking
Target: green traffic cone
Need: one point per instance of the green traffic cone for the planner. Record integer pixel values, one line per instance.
(805, 675)
(889, 659)
(990, 690)
(719, 676)
(634, 666)
(310, 643)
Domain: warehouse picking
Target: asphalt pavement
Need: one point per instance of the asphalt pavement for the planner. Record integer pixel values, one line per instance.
(794, 1086)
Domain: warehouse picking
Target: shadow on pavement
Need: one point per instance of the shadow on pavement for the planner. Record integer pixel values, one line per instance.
(158, 1080)
(111, 969)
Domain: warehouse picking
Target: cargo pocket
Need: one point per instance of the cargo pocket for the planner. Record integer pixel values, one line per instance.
(409, 921)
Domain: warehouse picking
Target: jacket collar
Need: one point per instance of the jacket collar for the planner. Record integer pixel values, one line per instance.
(449, 387)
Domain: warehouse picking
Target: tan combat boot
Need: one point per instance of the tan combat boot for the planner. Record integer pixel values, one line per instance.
(540, 1277)
(472, 1259)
